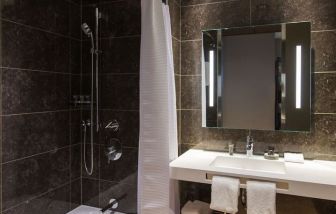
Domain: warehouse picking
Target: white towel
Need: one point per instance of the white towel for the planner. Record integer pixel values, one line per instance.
(294, 157)
(224, 194)
(261, 197)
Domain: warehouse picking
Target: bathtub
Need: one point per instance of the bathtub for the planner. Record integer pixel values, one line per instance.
(90, 210)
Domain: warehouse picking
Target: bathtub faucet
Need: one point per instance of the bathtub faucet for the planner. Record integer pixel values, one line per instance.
(112, 205)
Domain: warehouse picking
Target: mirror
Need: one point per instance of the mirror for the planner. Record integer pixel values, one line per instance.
(257, 77)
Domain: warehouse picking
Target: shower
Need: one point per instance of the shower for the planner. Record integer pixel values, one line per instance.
(93, 124)
(86, 29)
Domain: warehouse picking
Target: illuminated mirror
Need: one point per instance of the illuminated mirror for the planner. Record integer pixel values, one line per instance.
(257, 77)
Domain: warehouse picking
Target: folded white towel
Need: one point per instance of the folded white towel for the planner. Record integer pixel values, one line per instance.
(261, 197)
(224, 194)
(294, 157)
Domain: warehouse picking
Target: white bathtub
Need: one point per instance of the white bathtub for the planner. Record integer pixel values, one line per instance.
(90, 210)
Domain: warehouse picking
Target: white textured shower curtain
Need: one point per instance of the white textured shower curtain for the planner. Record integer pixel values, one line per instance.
(157, 194)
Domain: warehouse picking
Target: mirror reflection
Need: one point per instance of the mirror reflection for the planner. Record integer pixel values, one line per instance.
(257, 77)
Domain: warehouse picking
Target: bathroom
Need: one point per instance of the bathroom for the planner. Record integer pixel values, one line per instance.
(85, 129)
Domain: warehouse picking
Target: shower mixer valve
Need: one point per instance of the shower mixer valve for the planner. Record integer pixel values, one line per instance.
(86, 123)
(113, 150)
(113, 125)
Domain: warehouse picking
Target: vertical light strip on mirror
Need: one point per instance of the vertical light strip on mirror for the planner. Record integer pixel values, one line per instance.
(298, 76)
(211, 78)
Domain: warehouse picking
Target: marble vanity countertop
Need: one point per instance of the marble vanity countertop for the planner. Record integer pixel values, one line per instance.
(313, 178)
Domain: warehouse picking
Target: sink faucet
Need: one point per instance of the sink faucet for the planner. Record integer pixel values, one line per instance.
(249, 145)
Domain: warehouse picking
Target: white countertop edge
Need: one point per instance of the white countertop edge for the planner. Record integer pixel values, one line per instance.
(315, 179)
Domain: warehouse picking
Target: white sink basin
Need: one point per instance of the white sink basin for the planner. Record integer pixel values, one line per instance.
(251, 164)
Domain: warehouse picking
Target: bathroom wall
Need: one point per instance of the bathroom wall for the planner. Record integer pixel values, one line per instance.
(40, 55)
(320, 143)
(197, 15)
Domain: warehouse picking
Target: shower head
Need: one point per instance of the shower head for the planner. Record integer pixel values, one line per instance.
(86, 29)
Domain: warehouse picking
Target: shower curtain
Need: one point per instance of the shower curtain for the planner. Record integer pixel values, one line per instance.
(157, 194)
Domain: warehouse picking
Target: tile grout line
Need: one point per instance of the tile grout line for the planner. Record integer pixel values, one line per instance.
(69, 126)
(70, 121)
(115, 182)
(120, 37)
(191, 109)
(73, 2)
(191, 40)
(39, 29)
(190, 75)
(37, 70)
(37, 196)
(114, 74)
(37, 154)
(104, 2)
(176, 39)
(125, 147)
(210, 3)
(321, 31)
(30, 113)
(81, 108)
(122, 110)
(115, 37)
(324, 72)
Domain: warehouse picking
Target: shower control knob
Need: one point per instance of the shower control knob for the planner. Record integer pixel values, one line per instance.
(113, 150)
(113, 125)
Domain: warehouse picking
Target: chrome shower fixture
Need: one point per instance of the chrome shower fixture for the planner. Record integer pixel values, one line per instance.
(113, 125)
(94, 123)
(86, 29)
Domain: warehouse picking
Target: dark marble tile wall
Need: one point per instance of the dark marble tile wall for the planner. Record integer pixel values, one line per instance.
(320, 143)
(40, 136)
(197, 15)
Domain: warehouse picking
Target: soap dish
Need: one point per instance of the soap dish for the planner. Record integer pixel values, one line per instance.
(271, 157)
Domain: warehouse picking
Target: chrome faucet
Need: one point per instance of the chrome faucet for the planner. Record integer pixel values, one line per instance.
(249, 145)
(112, 205)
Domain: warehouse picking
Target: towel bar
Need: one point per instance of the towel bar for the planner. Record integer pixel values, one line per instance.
(279, 184)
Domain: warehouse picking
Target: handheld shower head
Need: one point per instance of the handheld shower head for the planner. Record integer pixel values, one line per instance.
(86, 29)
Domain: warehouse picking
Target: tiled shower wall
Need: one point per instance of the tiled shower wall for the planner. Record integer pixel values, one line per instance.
(320, 143)
(119, 95)
(40, 55)
(120, 29)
